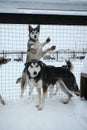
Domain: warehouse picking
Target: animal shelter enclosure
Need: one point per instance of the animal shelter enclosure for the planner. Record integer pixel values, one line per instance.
(63, 30)
(69, 37)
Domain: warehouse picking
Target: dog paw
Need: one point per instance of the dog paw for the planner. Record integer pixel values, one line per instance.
(39, 107)
(53, 47)
(48, 40)
(65, 101)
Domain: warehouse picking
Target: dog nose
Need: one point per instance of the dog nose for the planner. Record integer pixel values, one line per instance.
(35, 36)
(35, 72)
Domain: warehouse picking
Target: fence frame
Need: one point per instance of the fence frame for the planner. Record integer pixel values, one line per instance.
(42, 19)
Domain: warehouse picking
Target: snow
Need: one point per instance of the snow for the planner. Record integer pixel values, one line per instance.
(23, 115)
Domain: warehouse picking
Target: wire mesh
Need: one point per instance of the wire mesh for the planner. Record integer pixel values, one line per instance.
(70, 41)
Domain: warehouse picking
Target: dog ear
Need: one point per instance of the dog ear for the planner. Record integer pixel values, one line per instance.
(30, 28)
(26, 64)
(38, 28)
(42, 64)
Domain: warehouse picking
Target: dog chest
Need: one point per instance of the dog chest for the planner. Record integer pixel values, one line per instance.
(34, 45)
(36, 84)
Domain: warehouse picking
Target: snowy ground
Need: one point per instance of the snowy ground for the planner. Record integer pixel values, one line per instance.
(23, 115)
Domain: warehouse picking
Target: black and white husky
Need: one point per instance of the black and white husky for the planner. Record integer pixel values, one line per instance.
(34, 50)
(42, 76)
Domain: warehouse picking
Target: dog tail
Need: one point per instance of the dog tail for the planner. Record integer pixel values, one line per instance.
(69, 65)
(18, 80)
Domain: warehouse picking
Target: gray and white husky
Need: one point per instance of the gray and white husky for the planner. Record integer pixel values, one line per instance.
(34, 47)
(34, 51)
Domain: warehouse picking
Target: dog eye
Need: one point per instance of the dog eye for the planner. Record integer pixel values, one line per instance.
(31, 66)
(36, 65)
(35, 31)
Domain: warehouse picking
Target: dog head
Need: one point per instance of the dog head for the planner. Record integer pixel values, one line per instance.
(34, 67)
(34, 32)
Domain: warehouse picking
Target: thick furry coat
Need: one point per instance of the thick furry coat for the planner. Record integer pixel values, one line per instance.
(42, 76)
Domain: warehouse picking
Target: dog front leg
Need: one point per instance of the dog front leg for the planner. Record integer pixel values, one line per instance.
(31, 90)
(47, 50)
(40, 107)
(31, 87)
(23, 86)
(39, 97)
(46, 42)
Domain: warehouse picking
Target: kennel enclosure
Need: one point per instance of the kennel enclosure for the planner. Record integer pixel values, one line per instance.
(67, 32)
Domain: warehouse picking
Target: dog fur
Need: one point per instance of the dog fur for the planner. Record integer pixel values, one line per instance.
(34, 51)
(2, 100)
(68, 66)
(34, 47)
(4, 60)
(42, 76)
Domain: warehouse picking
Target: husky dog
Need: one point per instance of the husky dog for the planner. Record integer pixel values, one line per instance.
(2, 100)
(42, 76)
(34, 51)
(34, 47)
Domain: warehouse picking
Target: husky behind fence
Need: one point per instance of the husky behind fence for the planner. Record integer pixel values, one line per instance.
(70, 41)
(43, 76)
(34, 51)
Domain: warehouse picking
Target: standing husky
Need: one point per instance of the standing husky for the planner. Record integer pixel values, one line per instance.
(34, 51)
(43, 76)
(34, 47)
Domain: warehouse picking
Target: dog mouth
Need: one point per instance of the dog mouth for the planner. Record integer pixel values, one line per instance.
(34, 74)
